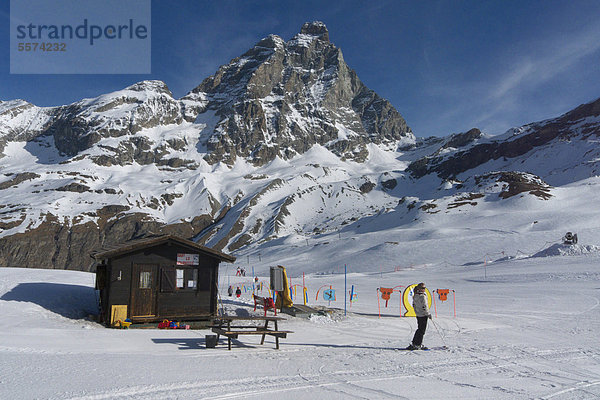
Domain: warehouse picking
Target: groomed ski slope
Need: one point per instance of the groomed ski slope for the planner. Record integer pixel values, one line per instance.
(525, 328)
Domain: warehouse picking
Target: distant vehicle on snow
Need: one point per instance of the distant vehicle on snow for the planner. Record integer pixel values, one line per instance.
(570, 238)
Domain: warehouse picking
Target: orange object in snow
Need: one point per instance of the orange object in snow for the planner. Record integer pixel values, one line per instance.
(443, 294)
(385, 294)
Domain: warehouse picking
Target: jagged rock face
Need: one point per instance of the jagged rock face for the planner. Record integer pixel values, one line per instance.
(462, 139)
(55, 245)
(511, 183)
(280, 98)
(145, 104)
(524, 139)
(79, 126)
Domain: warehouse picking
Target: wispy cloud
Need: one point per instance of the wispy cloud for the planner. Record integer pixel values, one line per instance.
(514, 79)
(506, 98)
(543, 62)
(534, 86)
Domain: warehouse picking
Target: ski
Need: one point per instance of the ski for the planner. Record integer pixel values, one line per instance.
(423, 349)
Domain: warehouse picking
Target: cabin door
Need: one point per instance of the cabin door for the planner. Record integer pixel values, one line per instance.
(143, 291)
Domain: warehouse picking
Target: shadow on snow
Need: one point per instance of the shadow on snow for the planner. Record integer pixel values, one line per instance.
(70, 301)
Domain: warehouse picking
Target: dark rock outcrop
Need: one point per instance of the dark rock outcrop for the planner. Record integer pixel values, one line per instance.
(19, 178)
(54, 245)
(514, 183)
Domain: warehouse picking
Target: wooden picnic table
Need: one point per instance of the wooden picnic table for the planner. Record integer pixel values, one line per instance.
(233, 326)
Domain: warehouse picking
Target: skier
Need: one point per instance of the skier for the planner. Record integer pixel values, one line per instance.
(238, 292)
(422, 311)
(230, 291)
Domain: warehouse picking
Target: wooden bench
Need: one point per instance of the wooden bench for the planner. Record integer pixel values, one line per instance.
(267, 303)
(223, 326)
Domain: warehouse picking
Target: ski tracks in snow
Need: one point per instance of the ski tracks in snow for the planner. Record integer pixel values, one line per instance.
(360, 373)
(338, 384)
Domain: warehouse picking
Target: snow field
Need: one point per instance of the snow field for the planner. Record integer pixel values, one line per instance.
(528, 330)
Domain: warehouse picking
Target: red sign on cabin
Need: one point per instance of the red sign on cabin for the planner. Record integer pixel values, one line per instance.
(188, 259)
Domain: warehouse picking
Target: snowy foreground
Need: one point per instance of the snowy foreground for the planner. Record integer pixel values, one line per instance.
(526, 328)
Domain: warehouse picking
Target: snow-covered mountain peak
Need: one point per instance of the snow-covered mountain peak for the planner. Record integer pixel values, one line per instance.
(311, 32)
(150, 86)
(126, 100)
(7, 106)
(271, 42)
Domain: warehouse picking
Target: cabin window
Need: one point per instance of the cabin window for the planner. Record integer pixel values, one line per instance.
(180, 279)
(186, 278)
(193, 283)
(145, 280)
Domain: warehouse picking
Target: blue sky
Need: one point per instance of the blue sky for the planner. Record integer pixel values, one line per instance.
(447, 66)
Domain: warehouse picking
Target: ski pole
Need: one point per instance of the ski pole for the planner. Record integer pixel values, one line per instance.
(440, 333)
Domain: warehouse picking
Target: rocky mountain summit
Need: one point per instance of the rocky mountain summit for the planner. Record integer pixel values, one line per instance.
(281, 144)
(281, 98)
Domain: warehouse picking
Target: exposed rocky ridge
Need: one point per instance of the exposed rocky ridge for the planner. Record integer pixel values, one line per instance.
(461, 139)
(488, 187)
(18, 178)
(525, 139)
(77, 127)
(145, 104)
(57, 245)
(280, 98)
(511, 183)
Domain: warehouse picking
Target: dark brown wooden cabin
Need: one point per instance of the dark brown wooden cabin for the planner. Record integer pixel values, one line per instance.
(157, 278)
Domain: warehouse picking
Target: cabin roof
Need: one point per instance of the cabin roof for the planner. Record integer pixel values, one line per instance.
(137, 244)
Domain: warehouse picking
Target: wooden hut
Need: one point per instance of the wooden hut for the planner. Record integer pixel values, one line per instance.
(157, 278)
